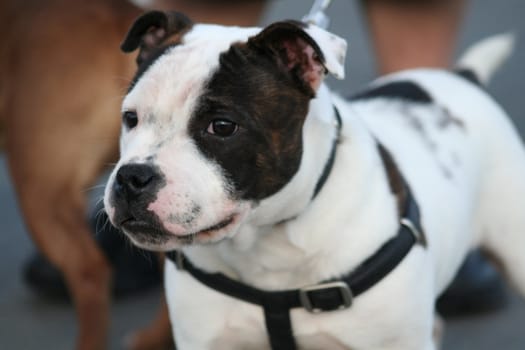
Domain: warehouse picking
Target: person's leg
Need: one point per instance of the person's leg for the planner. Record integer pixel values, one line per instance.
(413, 33)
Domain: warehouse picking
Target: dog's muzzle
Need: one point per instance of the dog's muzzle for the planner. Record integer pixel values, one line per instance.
(133, 182)
(134, 188)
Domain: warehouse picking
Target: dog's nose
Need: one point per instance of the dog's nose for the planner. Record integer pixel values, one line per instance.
(133, 180)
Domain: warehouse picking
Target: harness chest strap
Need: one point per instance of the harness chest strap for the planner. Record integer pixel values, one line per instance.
(328, 295)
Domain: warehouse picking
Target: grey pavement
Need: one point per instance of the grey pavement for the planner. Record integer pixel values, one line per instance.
(30, 322)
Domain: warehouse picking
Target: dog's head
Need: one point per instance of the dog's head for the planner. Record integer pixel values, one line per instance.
(212, 124)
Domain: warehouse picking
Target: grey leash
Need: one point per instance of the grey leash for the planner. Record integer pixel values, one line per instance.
(317, 15)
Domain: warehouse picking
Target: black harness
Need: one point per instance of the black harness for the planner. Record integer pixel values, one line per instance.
(329, 295)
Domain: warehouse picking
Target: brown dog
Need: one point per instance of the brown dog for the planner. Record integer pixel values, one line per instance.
(62, 77)
(61, 81)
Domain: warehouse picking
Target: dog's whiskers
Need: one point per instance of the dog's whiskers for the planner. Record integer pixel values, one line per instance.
(94, 188)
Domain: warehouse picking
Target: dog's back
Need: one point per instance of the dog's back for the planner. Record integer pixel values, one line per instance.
(458, 151)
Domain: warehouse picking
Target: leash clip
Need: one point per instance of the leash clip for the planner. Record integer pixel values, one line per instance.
(306, 295)
(317, 16)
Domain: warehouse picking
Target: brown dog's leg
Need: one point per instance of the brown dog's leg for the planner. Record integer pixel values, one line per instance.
(154, 336)
(51, 199)
(66, 78)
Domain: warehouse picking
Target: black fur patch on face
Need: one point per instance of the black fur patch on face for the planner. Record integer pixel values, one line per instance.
(269, 106)
(404, 90)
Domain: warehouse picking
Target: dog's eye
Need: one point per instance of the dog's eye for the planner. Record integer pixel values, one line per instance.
(130, 119)
(222, 127)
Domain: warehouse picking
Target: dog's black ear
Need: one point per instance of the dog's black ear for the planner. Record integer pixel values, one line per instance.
(306, 51)
(154, 29)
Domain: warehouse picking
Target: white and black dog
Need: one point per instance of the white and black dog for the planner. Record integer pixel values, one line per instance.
(234, 152)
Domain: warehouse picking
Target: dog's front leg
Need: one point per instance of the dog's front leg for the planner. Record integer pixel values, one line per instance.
(156, 335)
(91, 296)
(63, 237)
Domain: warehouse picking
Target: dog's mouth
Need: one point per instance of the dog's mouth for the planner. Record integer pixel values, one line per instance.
(209, 234)
(148, 234)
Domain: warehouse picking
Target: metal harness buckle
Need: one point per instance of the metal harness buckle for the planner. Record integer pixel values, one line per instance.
(419, 236)
(344, 291)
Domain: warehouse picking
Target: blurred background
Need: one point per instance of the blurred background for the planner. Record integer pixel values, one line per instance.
(28, 321)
